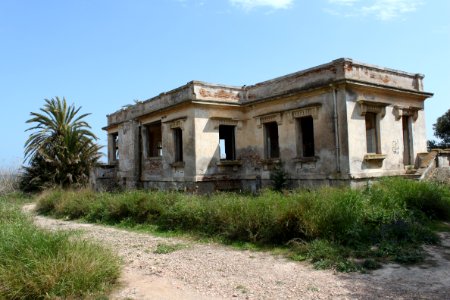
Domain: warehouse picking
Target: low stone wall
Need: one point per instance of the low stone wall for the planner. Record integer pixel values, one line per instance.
(103, 178)
(443, 159)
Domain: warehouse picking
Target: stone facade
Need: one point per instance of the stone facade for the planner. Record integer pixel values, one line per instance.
(341, 122)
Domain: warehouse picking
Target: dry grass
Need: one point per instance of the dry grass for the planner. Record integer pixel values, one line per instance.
(9, 180)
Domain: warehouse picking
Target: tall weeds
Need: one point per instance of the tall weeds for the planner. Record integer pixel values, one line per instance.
(38, 264)
(392, 212)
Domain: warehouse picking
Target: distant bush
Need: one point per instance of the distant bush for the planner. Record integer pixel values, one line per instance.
(38, 264)
(391, 216)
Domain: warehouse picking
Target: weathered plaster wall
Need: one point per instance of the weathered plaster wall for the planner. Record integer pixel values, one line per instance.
(128, 162)
(390, 133)
(381, 76)
(216, 93)
(250, 140)
(206, 143)
(304, 80)
(419, 133)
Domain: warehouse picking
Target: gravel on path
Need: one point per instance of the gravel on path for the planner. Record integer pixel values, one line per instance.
(212, 271)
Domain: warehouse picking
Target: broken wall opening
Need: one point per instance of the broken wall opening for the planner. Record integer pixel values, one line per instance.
(154, 140)
(227, 142)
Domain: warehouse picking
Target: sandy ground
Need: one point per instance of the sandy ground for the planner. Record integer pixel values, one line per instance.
(211, 271)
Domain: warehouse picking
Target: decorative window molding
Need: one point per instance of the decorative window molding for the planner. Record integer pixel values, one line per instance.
(374, 157)
(226, 121)
(270, 163)
(177, 164)
(229, 163)
(305, 159)
(176, 123)
(400, 112)
(232, 164)
(312, 110)
(372, 107)
(273, 117)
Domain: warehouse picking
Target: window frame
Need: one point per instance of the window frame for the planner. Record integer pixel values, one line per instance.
(229, 143)
(372, 133)
(302, 135)
(271, 128)
(115, 146)
(177, 133)
(152, 146)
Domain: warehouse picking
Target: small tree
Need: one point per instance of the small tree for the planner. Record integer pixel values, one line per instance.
(61, 149)
(279, 177)
(442, 129)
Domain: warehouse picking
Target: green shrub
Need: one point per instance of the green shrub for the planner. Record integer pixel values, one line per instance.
(325, 255)
(46, 201)
(427, 199)
(331, 213)
(279, 177)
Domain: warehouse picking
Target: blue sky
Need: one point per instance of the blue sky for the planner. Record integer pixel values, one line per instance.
(102, 55)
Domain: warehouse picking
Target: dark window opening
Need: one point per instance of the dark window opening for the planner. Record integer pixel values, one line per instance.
(271, 140)
(154, 140)
(226, 142)
(115, 146)
(371, 133)
(307, 136)
(178, 142)
(407, 157)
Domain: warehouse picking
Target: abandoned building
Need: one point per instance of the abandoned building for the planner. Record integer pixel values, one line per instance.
(342, 122)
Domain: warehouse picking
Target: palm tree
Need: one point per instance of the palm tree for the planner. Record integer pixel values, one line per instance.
(61, 149)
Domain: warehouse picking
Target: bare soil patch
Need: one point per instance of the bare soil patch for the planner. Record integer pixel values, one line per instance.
(211, 271)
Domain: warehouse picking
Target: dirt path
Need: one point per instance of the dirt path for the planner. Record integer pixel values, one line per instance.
(210, 271)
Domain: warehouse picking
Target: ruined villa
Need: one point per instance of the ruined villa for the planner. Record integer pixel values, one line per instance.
(342, 122)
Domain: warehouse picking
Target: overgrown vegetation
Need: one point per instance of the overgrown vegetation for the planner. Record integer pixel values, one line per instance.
(336, 228)
(60, 150)
(38, 264)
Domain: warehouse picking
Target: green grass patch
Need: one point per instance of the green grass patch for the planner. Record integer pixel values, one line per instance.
(163, 248)
(340, 228)
(440, 226)
(38, 264)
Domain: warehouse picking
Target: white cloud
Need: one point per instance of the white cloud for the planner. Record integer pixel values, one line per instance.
(381, 9)
(343, 2)
(250, 4)
(390, 9)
